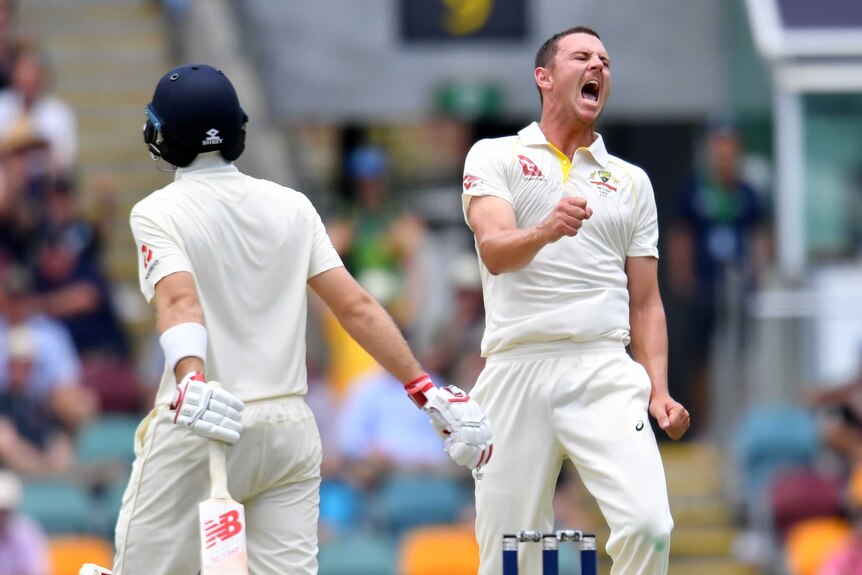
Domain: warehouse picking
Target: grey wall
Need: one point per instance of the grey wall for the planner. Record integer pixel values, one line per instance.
(338, 60)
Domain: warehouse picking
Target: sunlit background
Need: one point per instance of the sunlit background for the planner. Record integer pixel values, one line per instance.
(368, 107)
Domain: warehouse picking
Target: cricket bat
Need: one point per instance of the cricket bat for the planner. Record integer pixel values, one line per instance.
(223, 546)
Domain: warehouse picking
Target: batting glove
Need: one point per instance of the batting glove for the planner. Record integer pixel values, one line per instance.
(207, 408)
(93, 569)
(458, 419)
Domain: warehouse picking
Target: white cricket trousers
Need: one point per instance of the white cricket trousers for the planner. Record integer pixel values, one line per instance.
(274, 470)
(587, 402)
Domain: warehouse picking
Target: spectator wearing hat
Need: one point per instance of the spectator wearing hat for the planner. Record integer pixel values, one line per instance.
(23, 543)
(52, 118)
(378, 240)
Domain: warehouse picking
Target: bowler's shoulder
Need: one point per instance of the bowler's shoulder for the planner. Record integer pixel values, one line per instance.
(635, 172)
(495, 146)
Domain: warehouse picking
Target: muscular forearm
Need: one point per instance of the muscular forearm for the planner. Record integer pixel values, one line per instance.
(511, 250)
(368, 323)
(649, 344)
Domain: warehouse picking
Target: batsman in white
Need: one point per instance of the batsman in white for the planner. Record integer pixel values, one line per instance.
(227, 259)
(567, 240)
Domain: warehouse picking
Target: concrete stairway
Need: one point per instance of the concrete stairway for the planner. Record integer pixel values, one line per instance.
(704, 531)
(106, 56)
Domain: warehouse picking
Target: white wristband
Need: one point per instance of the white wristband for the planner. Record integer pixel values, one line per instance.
(184, 340)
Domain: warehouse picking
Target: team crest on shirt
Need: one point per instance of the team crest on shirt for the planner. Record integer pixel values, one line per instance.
(471, 182)
(604, 181)
(530, 169)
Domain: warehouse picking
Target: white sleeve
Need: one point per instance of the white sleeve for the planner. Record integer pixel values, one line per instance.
(159, 252)
(323, 254)
(644, 241)
(485, 174)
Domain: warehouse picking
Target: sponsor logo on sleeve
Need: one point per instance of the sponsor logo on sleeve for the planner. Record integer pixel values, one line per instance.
(471, 182)
(148, 255)
(148, 262)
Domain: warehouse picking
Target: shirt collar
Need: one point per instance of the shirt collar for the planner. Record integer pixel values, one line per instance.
(532, 136)
(209, 161)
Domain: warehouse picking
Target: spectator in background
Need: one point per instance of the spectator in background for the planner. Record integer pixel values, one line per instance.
(717, 242)
(28, 97)
(15, 231)
(23, 542)
(24, 156)
(379, 434)
(55, 378)
(71, 287)
(377, 240)
(456, 351)
(376, 234)
(32, 439)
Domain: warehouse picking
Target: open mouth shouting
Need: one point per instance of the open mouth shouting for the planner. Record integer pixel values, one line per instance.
(590, 91)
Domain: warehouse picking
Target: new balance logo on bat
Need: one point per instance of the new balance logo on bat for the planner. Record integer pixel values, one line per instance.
(227, 526)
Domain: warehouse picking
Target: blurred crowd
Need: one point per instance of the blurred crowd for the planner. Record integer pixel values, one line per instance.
(68, 367)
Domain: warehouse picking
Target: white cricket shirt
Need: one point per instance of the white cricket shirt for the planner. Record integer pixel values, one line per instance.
(574, 289)
(251, 246)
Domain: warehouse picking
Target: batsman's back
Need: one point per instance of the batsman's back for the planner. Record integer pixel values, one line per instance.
(251, 246)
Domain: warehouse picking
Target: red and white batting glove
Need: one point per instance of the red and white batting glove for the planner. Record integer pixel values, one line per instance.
(458, 419)
(93, 569)
(207, 409)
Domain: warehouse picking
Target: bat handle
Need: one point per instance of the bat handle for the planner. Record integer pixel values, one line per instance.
(218, 470)
(218, 465)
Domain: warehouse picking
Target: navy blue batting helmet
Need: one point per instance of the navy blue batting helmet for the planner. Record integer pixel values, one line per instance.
(194, 110)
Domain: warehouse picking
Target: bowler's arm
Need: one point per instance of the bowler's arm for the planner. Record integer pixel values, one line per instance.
(649, 342)
(367, 322)
(503, 246)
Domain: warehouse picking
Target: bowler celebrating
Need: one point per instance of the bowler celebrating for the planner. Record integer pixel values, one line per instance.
(567, 239)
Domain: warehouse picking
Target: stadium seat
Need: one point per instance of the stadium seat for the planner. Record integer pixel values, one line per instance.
(358, 554)
(60, 506)
(341, 505)
(420, 551)
(407, 501)
(68, 553)
(800, 494)
(770, 439)
(108, 438)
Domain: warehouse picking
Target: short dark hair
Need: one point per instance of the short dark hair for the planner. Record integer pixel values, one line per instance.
(548, 50)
